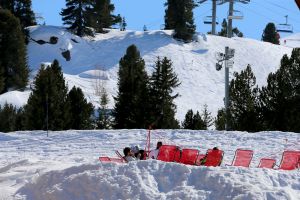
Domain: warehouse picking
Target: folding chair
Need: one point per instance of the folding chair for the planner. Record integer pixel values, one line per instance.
(168, 153)
(189, 156)
(267, 163)
(213, 158)
(290, 160)
(242, 158)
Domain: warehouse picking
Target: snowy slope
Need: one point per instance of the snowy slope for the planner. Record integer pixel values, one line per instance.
(64, 166)
(291, 40)
(95, 60)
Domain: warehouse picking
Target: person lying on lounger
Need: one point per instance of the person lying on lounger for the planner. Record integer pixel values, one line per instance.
(203, 160)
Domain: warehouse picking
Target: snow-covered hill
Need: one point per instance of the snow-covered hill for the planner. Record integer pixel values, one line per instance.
(65, 166)
(95, 60)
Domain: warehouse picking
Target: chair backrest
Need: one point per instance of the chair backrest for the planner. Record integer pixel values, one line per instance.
(104, 159)
(267, 163)
(213, 158)
(199, 159)
(168, 153)
(242, 158)
(189, 156)
(290, 160)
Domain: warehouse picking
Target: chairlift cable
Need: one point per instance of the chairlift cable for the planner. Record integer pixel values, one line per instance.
(279, 6)
(294, 20)
(266, 17)
(258, 13)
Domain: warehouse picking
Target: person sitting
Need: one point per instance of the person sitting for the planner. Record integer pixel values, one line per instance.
(203, 160)
(136, 152)
(129, 155)
(154, 153)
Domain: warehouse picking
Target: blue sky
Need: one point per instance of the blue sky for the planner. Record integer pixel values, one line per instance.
(151, 13)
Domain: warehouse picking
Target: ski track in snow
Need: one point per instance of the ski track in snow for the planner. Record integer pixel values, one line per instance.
(65, 166)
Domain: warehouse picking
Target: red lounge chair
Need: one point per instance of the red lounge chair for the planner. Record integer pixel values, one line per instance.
(213, 158)
(199, 159)
(242, 158)
(105, 159)
(189, 156)
(290, 160)
(267, 163)
(168, 153)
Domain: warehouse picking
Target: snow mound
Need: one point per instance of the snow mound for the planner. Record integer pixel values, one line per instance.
(17, 98)
(158, 180)
(65, 166)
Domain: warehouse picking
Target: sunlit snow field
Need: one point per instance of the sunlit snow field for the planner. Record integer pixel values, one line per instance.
(65, 166)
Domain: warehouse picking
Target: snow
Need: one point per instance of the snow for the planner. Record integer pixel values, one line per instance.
(292, 41)
(95, 61)
(18, 98)
(65, 166)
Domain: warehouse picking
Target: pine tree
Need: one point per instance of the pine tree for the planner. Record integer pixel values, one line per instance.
(100, 15)
(223, 31)
(220, 120)
(280, 98)
(13, 53)
(243, 106)
(170, 14)
(47, 104)
(104, 120)
(22, 10)
(162, 83)
(207, 118)
(193, 121)
(80, 110)
(188, 120)
(8, 118)
(198, 122)
(131, 102)
(2, 85)
(235, 30)
(76, 15)
(270, 34)
(20, 119)
(123, 24)
(179, 16)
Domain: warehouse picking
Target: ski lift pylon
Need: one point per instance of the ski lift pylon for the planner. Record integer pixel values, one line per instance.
(236, 15)
(285, 28)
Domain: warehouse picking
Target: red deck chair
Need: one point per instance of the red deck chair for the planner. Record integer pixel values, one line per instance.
(189, 156)
(118, 160)
(267, 163)
(242, 158)
(213, 158)
(105, 159)
(168, 153)
(290, 160)
(199, 159)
